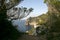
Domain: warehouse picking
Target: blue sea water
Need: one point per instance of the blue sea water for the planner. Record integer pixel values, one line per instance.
(20, 25)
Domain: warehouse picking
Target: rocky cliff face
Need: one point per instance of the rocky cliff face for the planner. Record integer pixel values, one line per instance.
(53, 20)
(53, 6)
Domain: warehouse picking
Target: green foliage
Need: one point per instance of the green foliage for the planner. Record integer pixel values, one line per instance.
(54, 21)
(18, 15)
(54, 3)
(42, 33)
(45, 1)
(7, 30)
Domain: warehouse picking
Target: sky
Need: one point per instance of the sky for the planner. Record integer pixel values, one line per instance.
(38, 5)
(39, 8)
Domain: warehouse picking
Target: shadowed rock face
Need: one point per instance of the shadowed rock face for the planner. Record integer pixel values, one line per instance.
(52, 9)
(53, 6)
(54, 23)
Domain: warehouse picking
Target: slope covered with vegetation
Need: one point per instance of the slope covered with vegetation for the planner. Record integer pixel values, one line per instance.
(52, 21)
